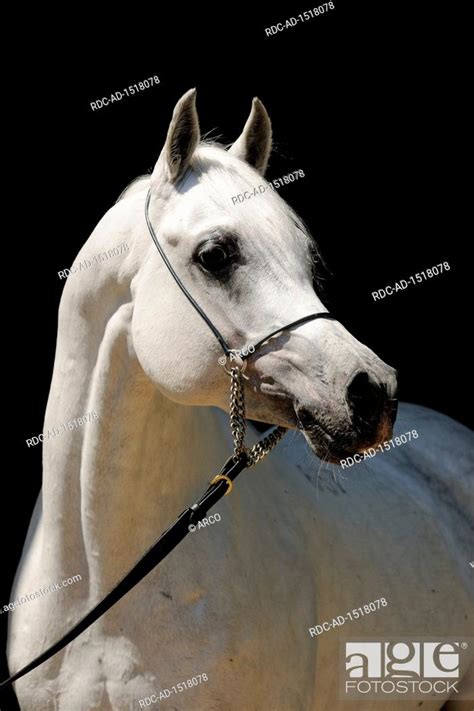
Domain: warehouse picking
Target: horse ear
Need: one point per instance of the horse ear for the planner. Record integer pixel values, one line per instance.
(254, 145)
(181, 140)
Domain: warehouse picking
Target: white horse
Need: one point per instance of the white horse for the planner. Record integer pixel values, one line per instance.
(235, 600)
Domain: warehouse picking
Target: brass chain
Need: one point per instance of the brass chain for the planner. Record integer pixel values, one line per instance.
(238, 424)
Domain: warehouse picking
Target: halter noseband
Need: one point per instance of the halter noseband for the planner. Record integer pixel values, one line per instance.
(220, 486)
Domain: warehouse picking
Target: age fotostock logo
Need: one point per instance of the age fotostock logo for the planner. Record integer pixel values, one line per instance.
(408, 668)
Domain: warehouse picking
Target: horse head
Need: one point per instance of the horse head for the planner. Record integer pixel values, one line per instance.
(251, 268)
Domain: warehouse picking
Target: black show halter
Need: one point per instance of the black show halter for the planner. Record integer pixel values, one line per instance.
(220, 486)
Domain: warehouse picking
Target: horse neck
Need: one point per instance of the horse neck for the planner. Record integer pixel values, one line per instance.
(111, 486)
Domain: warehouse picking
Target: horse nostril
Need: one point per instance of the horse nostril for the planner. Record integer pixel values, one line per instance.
(365, 398)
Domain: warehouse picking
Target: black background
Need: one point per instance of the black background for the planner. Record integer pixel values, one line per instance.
(368, 99)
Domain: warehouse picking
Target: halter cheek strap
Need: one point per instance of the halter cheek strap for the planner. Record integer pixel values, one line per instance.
(191, 300)
(223, 343)
(221, 484)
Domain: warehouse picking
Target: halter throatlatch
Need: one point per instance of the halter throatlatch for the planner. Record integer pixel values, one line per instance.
(220, 486)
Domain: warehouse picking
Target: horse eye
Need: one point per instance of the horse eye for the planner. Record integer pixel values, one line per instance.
(214, 258)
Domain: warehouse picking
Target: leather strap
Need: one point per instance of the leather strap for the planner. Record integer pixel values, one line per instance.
(223, 343)
(293, 324)
(192, 515)
(159, 550)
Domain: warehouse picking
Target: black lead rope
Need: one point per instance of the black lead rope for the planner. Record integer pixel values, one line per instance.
(158, 551)
(219, 487)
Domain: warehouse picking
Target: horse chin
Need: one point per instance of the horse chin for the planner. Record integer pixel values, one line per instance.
(333, 439)
(333, 449)
(322, 447)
